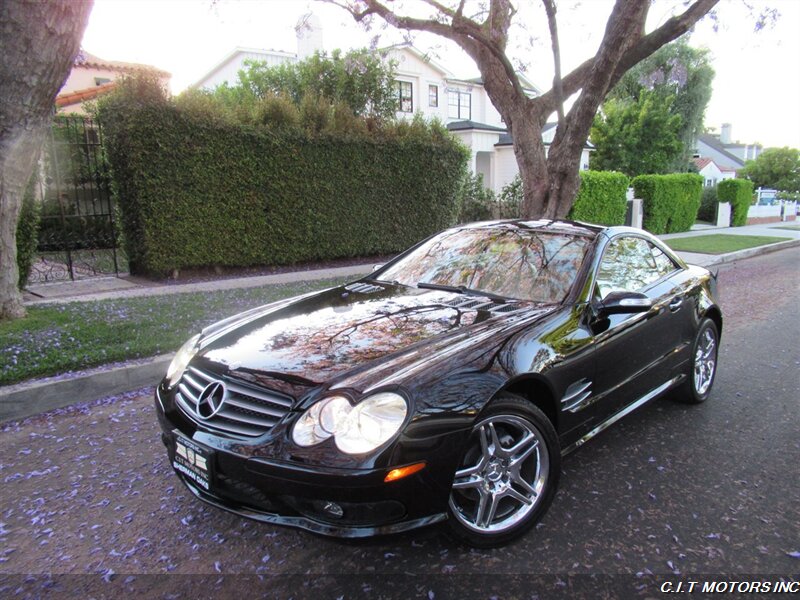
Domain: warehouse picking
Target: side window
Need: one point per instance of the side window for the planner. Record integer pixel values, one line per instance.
(629, 264)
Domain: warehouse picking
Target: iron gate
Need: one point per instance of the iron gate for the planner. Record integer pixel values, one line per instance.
(77, 233)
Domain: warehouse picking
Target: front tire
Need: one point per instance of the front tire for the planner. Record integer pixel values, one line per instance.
(508, 475)
(703, 367)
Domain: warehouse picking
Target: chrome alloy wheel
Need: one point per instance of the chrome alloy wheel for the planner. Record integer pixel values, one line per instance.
(705, 361)
(502, 476)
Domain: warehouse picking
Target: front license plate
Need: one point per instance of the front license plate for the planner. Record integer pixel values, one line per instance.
(193, 460)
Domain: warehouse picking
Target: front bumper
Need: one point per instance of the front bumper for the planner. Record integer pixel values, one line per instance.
(338, 502)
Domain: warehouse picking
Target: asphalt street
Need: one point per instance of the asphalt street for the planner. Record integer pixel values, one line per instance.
(670, 491)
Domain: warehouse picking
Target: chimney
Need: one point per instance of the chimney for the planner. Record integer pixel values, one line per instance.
(309, 35)
(725, 133)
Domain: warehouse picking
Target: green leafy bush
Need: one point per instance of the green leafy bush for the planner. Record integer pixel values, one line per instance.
(601, 199)
(670, 202)
(476, 203)
(708, 204)
(195, 193)
(739, 192)
(27, 231)
(509, 200)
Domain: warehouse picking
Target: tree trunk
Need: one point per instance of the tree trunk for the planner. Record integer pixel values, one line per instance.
(39, 43)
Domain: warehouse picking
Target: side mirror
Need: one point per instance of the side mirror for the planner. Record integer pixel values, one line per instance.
(376, 267)
(623, 303)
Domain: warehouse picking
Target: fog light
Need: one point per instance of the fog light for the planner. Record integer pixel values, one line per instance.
(333, 509)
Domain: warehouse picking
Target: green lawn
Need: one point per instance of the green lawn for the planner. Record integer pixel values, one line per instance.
(720, 243)
(59, 338)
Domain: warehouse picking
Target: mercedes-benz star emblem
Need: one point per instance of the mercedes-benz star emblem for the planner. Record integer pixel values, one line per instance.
(210, 400)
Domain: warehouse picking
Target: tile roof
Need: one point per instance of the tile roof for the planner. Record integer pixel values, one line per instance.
(90, 61)
(702, 162)
(83, 95)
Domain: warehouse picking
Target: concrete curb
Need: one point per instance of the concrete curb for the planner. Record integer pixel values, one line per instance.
(27, 399)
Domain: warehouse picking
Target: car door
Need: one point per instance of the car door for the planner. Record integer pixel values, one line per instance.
(635, 353)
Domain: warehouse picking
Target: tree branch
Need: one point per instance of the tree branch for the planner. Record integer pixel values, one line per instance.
(464, 31)
(644, 47)
(550, 9)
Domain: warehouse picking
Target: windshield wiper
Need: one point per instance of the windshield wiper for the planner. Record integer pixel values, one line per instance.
(460, 289)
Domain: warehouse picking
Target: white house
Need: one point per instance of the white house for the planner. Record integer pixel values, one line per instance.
(422, 86)
(712, 173)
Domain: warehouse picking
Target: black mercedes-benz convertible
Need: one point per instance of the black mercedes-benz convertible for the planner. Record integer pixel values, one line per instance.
(444, 386)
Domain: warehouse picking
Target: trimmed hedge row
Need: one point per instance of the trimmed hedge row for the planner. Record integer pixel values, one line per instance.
(739, 192)
(198, 194)
(670, 202)
(601, 199)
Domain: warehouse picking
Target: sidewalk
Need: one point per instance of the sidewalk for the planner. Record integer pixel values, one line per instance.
(33, 397)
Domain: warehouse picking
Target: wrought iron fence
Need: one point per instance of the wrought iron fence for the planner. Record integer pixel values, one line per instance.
(77, 234)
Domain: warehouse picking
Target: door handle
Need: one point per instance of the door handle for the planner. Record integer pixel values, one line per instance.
(675, 304)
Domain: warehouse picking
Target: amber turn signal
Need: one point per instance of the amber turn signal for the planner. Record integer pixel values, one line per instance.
(396, 474)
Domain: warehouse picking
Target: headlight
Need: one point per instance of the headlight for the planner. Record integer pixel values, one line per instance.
(182, 358)
(356, 429)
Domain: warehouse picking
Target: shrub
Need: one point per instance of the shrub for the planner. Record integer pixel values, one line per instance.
(670, 202)
(195, 194)
(739, 192)
(509, 201)
(601, 199)
(708, 204)
(475, 202)
(27, 231)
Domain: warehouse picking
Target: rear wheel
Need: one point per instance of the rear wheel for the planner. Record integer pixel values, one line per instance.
(703, 367)
(508, 475)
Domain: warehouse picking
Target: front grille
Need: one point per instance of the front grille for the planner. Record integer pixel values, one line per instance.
(244, 410)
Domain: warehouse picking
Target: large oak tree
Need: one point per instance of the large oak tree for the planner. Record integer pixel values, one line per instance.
(38, 44)
(550, 181)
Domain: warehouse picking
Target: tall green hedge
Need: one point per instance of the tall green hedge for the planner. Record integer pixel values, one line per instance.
(27, 231)
(739, 192)
(602, 198)
(195, 193)
(670, 202)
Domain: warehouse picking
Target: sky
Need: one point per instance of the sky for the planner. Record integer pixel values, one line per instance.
(756, 88)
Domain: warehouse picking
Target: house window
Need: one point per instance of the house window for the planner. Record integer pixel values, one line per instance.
(433, 96)
(101, 80)
(405, 102)
(460, 105)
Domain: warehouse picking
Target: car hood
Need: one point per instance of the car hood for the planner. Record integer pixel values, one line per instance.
(316, 339)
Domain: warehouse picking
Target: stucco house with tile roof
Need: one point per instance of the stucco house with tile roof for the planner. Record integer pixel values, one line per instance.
(711, 172)
(92, 77)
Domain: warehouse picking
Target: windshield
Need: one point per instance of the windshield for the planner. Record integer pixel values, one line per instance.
(510, 262)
